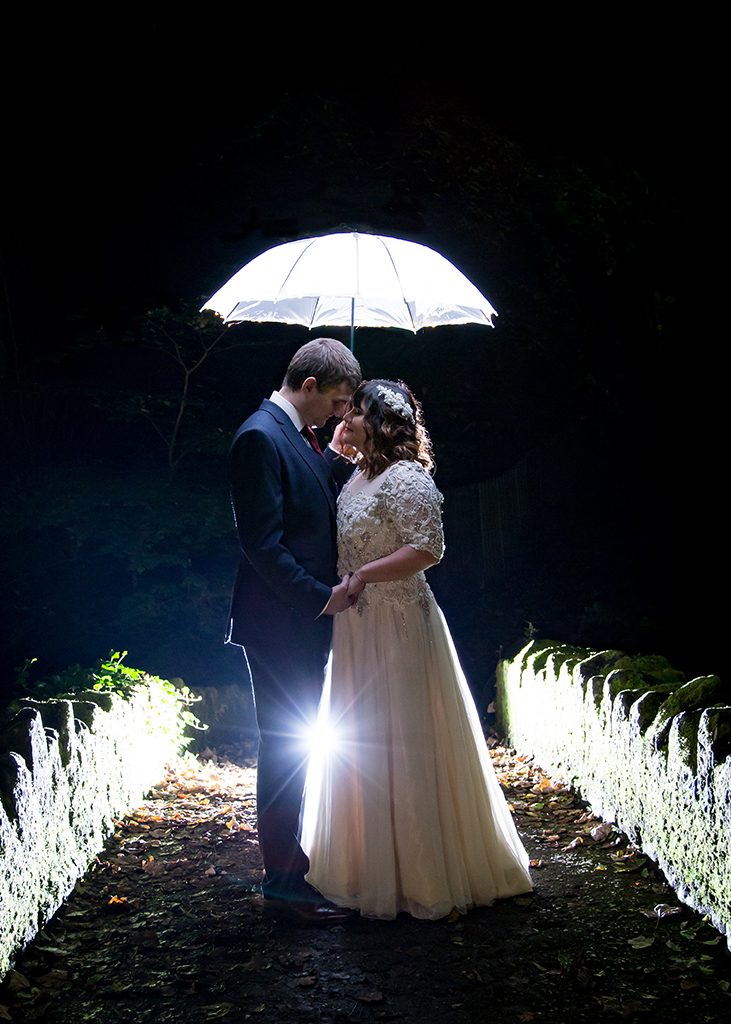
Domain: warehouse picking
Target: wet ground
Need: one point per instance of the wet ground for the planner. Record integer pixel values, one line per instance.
(167, 926)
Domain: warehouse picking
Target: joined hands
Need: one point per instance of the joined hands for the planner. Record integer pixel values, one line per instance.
(345, 594)
(340, 599)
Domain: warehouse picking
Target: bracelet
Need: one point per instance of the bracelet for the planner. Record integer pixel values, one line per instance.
(356, 573)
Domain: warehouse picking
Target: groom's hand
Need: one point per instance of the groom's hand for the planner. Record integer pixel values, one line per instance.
(340, 600)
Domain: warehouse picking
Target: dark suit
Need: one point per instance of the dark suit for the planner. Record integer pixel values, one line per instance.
(283, 496)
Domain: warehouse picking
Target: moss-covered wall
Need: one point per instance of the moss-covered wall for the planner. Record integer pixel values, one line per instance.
(648, 750)
(67, 770)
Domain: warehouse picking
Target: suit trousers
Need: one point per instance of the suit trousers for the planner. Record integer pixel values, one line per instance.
(287, 682)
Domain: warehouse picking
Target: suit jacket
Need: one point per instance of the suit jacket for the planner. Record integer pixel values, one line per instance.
(283, 496)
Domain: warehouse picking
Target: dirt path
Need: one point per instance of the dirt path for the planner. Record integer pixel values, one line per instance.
(167, 927)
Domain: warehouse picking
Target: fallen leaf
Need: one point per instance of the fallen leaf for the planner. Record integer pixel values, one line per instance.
(545, 784)
(630, 865)
(641, 941)
(661, 910)
(601, 832)
(536, 863)
(574, 843)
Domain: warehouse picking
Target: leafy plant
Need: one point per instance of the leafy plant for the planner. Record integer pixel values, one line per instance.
(168, 701)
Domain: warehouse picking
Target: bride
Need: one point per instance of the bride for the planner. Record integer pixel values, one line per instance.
(402, 811)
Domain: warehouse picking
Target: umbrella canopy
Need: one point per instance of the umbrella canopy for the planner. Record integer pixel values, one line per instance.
(352, 279)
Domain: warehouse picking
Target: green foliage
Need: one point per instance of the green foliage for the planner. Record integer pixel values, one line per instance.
(94, 557)
(169, 702)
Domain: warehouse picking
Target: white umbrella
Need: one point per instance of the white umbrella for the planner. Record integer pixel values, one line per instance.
(352, 279)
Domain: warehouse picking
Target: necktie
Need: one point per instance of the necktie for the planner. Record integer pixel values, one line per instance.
(309, 435)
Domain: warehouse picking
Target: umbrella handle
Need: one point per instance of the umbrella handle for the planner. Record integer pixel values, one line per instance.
(352, 325)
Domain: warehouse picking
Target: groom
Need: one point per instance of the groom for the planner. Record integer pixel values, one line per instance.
(283, 493)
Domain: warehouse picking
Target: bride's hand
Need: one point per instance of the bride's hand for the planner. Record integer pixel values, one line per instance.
(356, 586)
(346, 450)
(340, 599)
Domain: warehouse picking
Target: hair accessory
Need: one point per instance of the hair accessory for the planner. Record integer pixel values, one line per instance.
(395, 402)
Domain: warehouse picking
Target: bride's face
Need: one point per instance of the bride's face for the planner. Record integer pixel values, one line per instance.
(354, 431)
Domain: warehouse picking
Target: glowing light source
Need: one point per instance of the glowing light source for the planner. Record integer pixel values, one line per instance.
(322, 737)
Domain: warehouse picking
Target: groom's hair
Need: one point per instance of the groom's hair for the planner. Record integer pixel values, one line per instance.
(327, 360)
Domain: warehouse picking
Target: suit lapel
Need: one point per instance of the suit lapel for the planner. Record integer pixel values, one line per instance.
(316, 463)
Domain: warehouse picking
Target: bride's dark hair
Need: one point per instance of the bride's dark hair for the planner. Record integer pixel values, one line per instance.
(394, 424)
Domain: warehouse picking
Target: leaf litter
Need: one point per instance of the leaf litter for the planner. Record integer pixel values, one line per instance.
(167, 926)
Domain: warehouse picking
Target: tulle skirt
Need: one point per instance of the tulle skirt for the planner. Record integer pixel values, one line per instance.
(403, 811)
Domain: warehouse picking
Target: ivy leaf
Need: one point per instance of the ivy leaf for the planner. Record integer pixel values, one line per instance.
(641, 941)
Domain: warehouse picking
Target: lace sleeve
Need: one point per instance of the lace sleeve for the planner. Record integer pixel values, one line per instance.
(415, 504)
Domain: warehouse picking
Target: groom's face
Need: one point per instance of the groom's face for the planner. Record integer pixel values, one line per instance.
(322, 405)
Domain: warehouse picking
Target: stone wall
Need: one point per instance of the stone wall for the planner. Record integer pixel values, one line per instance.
(68, 769)
(646, 749)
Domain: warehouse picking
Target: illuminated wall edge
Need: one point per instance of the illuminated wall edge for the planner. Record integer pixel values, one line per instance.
(67, 771)
(648, 751)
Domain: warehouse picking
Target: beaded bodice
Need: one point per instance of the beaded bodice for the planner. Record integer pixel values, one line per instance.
(376, 517)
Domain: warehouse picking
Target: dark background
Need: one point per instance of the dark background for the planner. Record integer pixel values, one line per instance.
(573, 180)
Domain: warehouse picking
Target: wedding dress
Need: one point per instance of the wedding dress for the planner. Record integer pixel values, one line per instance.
(402, 811)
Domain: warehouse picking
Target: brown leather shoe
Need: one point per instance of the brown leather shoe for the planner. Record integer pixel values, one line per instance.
(306, 913)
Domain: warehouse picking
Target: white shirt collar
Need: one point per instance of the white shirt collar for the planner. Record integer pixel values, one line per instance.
(287, 407)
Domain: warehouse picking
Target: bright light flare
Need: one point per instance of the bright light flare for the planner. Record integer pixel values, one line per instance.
(322, 738)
